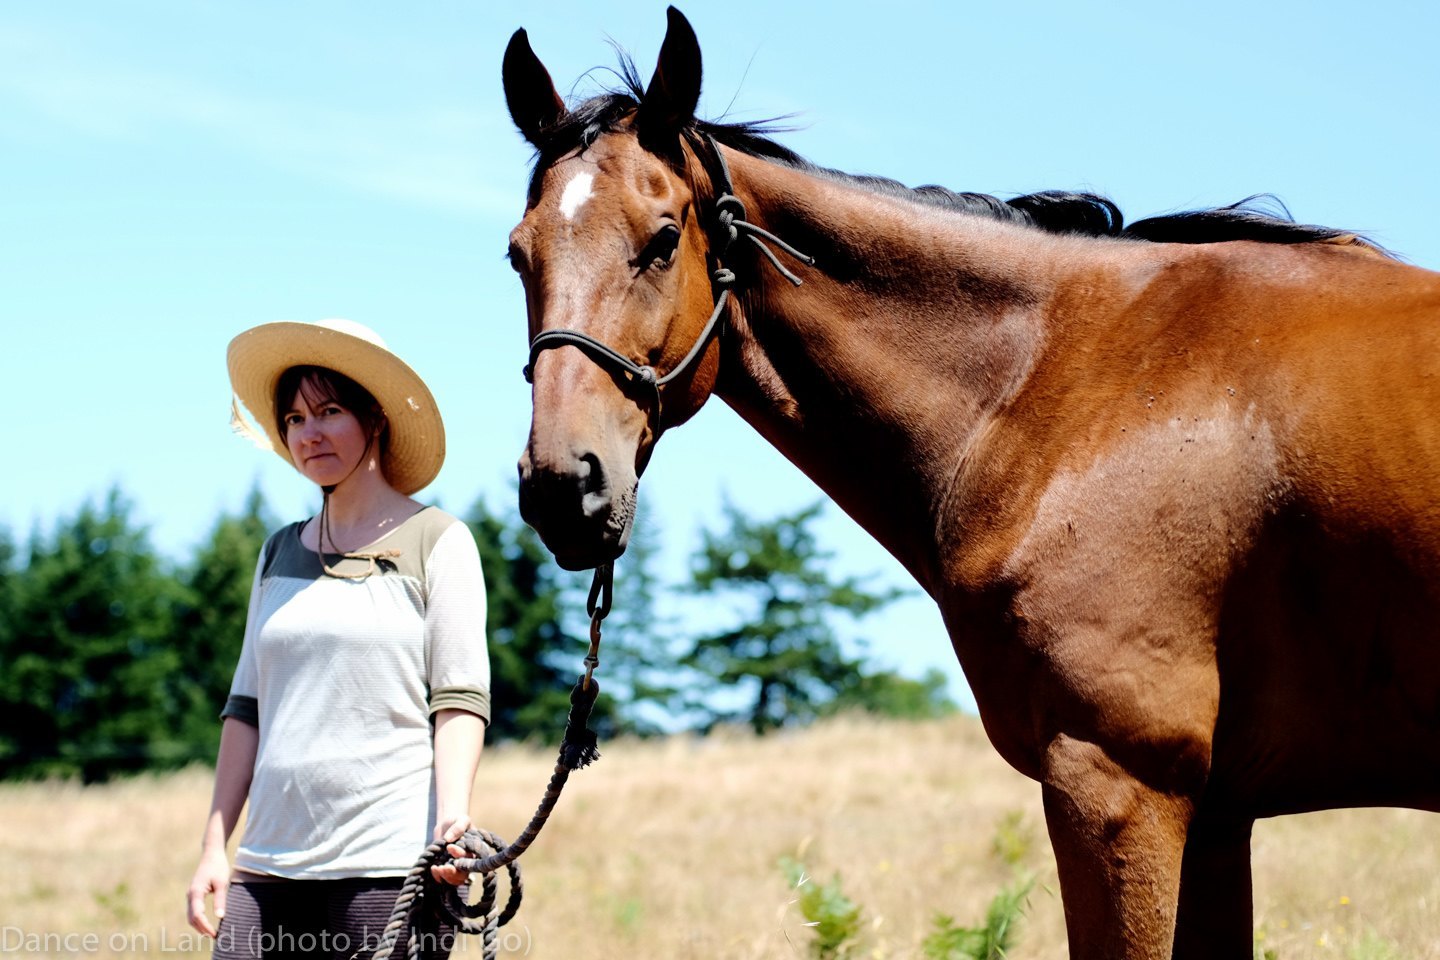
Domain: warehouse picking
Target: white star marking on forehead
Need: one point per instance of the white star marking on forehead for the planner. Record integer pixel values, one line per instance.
(577, 191)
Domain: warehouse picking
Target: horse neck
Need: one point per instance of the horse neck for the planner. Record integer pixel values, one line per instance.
(877, 376)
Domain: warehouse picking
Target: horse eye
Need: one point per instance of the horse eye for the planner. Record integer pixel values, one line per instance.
(516, 258)
(660, 251)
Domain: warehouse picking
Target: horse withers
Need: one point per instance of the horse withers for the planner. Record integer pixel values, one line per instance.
(1175, 486)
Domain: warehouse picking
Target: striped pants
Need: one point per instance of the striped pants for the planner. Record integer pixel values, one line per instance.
(318, 920)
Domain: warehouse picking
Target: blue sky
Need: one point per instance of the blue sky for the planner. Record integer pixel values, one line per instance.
(174, 172)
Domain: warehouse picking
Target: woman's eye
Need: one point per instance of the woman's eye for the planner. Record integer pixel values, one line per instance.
(291, 419)
(660, 251)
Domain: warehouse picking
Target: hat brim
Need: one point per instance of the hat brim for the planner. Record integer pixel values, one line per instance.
(258, 357)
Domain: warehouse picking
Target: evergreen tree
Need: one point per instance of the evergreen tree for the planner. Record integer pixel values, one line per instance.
(210, 625)
(891, 695)
(85, 685)
(9, 612)
(781, 652)
(9, 584)
(639, 664)
(535, 655)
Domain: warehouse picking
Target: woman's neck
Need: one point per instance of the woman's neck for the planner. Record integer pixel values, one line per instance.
(361, 509)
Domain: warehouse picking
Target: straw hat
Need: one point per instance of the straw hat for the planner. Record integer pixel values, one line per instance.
(259, 356)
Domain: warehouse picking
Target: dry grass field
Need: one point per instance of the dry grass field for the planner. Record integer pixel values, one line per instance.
(669, 849)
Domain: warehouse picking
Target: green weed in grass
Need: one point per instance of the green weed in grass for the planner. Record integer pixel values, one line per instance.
(833, 916)
(992, 940)
(836, 919)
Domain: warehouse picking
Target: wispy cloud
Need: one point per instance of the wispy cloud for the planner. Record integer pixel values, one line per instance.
(435, 156)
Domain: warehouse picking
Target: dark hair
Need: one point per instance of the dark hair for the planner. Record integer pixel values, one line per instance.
(323, 385)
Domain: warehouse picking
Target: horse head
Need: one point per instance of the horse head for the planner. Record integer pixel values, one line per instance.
(615, 261)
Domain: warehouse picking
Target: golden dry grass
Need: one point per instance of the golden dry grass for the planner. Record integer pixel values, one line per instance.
(669, 849)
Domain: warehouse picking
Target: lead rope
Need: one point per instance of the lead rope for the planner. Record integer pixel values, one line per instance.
(488, 852)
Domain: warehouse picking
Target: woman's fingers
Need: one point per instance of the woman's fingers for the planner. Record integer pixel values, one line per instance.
(222, 890)
(452, 829)
(446, 873)
(195, 910)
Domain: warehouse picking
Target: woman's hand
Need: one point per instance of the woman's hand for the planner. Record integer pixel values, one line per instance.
(211, 877)
(450, 830)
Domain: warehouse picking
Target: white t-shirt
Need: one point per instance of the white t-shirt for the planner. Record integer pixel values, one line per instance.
(341, 678)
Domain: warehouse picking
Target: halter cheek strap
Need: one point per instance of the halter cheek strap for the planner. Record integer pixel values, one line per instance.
(732, 225)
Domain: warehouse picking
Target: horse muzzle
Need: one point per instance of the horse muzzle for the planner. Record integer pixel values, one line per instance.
(582, 508)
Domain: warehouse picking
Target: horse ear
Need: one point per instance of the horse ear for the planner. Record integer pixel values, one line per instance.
(674, 90)
(529, 91)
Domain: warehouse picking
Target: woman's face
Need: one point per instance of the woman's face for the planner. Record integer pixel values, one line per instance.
(326, 440)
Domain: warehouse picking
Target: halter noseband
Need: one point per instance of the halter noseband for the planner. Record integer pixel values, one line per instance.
(730, 216)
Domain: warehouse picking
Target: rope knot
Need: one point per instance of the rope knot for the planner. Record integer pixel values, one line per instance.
(729, 213)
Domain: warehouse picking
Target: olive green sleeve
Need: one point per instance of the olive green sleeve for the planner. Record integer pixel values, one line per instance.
(470, 699)
(246, 709)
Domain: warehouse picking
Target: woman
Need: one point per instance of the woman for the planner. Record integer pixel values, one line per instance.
(358, 709)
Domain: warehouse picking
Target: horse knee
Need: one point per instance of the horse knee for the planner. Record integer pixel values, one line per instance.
(1119, 845)
(1105, 799)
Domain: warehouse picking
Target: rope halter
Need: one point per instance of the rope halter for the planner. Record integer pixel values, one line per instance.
(729, 215)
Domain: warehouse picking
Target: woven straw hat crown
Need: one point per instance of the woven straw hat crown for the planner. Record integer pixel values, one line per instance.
(258, 357)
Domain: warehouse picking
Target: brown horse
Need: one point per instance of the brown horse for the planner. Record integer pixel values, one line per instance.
(1174, 486)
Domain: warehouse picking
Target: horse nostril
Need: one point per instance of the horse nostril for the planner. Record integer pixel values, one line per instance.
(590, 473)
(594, 492)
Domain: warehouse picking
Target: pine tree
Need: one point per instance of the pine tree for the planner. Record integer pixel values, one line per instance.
(9, 650)
(535, 655)
(639, 662)
(85, 687)
(780, 653)
(890, 694)
(210, 624)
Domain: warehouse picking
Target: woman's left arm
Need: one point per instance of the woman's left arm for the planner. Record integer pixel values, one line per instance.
(458, 679)
(459, 738)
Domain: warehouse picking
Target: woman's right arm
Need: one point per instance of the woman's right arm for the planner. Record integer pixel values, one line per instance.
(233, 769)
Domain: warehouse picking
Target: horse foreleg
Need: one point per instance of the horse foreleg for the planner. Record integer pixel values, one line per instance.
(1119, 845)
(1215, 917)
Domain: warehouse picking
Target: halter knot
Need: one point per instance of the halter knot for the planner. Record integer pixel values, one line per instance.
(730, 214)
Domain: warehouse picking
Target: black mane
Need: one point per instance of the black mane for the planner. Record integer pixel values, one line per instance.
(1260, 217)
